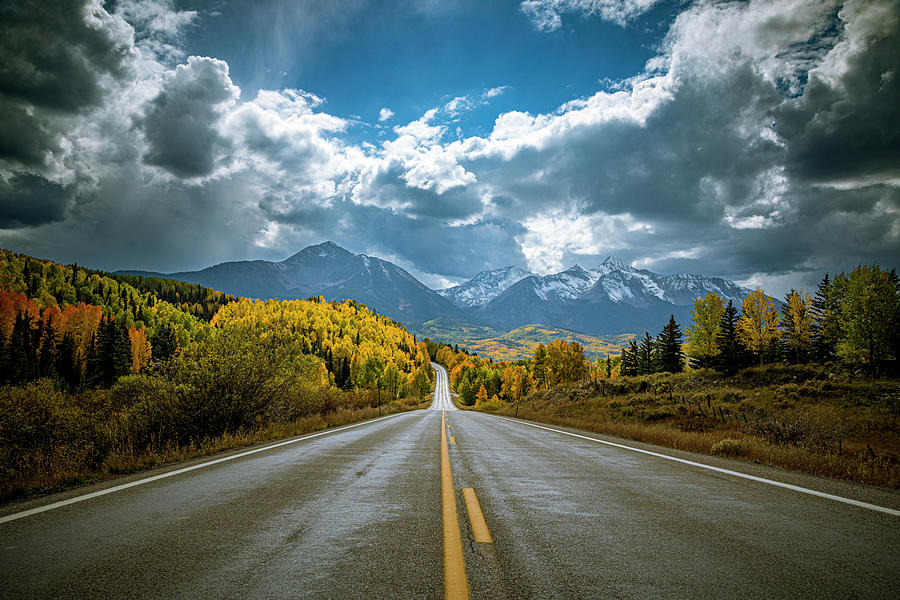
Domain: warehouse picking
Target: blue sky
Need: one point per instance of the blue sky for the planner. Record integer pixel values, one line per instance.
(752, 140)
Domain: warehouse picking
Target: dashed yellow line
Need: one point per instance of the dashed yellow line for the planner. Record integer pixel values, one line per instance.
(455, 584)
(476, 517)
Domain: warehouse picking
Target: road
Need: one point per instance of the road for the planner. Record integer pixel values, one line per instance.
(365, 512)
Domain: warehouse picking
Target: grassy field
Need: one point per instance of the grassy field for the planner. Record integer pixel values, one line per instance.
(518, 343)
(817, 419)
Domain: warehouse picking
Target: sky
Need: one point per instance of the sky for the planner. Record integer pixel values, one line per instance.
(758, 141)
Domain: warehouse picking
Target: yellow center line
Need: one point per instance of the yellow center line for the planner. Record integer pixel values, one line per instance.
(455, 584)
(476, 517)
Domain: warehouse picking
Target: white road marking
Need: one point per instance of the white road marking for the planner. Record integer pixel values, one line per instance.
(441, 400)
(780, 484)
(125, 486)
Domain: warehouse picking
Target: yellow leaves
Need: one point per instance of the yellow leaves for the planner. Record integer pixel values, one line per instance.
(758, 324)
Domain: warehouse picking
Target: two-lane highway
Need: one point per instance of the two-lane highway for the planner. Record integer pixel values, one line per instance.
(442, 399)
(362, 512)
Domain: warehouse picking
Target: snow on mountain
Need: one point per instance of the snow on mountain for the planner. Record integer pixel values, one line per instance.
(611, 281)
(484, 287)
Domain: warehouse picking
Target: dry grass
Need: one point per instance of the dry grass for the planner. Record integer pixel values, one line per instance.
(812, 419)
(64, 466)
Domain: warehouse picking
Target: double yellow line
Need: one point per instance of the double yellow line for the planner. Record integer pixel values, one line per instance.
(456, 586)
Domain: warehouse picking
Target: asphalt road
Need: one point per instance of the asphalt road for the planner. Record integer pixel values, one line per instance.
(357, 513)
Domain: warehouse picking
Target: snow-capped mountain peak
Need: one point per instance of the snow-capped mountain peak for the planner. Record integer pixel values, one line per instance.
(484, 287)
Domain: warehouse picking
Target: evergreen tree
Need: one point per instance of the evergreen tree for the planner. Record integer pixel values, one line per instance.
(731, 351)
(646, 355)
(630, 359)
(669, 354)
(826, 326)
(164, 343)
(67, 363)
(47, 360)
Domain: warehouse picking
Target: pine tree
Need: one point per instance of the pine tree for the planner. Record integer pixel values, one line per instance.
(646, 355)
(669, 354)
(67, 363)
(164, 343)
(47, 360)
(731, 351)
(630, 359)
(826, 326)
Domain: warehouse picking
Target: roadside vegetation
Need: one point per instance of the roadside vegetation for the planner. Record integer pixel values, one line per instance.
(100, 377)
(812, 386)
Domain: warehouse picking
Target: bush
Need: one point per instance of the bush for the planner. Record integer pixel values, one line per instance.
(728, 447)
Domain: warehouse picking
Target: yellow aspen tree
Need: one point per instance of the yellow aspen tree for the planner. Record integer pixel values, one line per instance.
(798, 323)
(758, 324)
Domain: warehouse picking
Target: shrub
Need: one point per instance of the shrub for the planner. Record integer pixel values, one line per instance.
(728, 447)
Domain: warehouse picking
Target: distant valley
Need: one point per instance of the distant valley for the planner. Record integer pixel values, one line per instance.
(501, 313)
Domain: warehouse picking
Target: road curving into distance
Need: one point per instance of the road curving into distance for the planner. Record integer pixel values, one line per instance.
(366, 512)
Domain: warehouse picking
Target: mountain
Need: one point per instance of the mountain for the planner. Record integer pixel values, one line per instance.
(611, 298)
(332, 272)
(484, 287)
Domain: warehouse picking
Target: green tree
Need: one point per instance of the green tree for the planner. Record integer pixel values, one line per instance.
(826, 327)
(870, 316)
(731, 352)
(646, 355)
(701, 337)
(630, 359)
(758, 324)
(670, 357)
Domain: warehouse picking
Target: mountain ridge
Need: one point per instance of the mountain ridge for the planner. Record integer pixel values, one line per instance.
(612, 297)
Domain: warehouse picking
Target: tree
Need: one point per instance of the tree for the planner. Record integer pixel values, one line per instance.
(515, 379)
(870, 316)
(565, 362)
(481, 397)
(797, 325)
(539, 370)
(392, 380)
(630, 359)
(646, 355)
(826, 326)
(758, 324)
(670, 357)
(701, 337)
(164, 343)
(140, 349)
(731, 352)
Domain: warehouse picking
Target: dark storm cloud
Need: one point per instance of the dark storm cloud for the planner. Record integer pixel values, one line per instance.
(180, 123)
(849, 128)
(51, 62)
(29, 200)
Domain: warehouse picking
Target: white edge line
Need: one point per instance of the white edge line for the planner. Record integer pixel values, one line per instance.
(780, 484)
(131, 484)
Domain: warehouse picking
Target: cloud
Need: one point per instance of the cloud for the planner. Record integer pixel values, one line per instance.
(181, 122)
(546, 15)
(384, 114)
(53, 62)
(29, 200)
(759, 144)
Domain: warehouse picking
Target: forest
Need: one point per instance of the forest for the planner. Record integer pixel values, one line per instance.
(106, 374)
(811, 386)
(103, 376)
